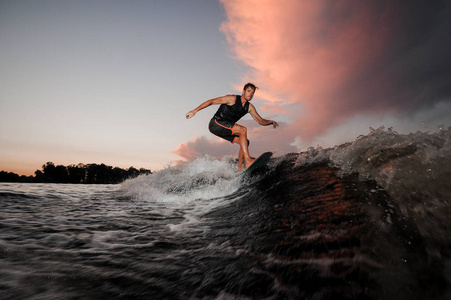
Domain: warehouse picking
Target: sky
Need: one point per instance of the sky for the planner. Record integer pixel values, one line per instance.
(111, 81)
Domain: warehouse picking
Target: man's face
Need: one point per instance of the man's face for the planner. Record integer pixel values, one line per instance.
(248, 93)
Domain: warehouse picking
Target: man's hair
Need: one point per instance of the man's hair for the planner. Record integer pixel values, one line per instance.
(251, 85)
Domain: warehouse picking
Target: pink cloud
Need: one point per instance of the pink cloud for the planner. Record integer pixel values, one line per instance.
(294, 49)
(200, 146)
(261, 139)
(273, 109)
(334, 59)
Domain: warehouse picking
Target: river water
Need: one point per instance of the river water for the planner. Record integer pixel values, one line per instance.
(364, 220)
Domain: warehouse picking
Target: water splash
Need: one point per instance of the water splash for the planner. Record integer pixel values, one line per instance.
(400, 163)
(188, 191)
(200, 179)
(413, 168)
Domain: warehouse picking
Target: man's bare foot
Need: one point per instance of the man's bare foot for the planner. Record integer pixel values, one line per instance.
(250, 162)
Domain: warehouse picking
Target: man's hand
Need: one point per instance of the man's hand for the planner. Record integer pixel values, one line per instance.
(274, 124)
(190, 114)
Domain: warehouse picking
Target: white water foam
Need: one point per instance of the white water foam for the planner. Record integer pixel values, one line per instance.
(189, 190)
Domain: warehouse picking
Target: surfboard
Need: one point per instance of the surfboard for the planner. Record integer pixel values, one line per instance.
(261, 161)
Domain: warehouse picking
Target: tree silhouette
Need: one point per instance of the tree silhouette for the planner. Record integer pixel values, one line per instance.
(81, 173)
(9, 177)
(49, 170)
(76, 173)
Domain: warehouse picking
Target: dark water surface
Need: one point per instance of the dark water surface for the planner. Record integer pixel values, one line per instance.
(365, 220)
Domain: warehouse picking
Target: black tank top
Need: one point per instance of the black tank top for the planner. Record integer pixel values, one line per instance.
(233, 112)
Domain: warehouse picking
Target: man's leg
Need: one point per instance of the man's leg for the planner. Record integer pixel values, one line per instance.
(240, 159)
(241, 156)
(241, 139)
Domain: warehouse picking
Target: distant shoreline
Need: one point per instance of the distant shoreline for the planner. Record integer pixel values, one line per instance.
(76, 174)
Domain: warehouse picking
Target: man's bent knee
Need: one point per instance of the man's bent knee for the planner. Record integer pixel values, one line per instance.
(239, 130)
(243, 130)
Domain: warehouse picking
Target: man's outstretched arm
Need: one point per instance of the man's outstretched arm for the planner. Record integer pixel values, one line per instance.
(259, 119)
(229, 99)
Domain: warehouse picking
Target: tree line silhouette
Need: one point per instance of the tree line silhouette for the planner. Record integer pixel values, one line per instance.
(81, 173)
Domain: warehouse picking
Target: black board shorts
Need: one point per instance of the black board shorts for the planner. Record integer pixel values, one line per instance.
(222, 128)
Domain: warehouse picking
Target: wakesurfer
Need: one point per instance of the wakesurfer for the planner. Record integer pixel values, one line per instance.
(223, 124)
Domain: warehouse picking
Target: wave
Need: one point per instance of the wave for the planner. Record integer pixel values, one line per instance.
(366, 219)
(414, 169)
(403, 164)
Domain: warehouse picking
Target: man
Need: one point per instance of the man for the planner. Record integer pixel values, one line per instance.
(223, 123)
